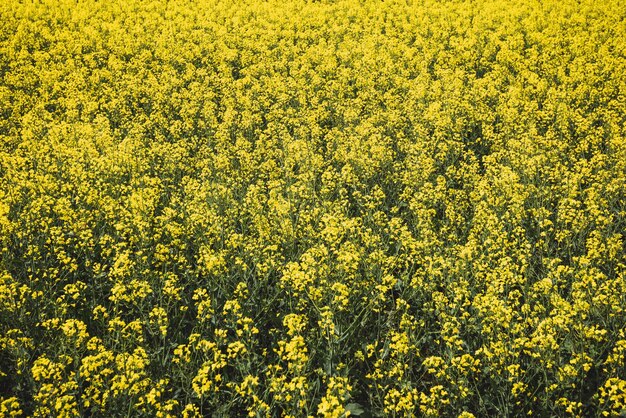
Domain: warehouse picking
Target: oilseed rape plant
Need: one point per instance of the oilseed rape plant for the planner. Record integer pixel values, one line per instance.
(334, 209)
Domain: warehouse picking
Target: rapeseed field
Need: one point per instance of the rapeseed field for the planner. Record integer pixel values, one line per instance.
(348, 208)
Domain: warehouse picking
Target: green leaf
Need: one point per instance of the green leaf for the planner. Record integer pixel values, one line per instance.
(355, 409)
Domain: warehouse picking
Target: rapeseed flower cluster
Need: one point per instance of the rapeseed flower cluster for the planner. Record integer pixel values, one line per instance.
(331, 208)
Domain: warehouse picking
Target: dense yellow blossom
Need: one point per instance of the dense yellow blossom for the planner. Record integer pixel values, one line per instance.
(327, 208)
